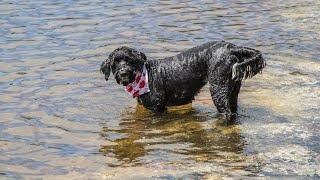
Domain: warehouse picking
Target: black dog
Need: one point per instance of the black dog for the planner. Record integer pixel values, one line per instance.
(176, 80)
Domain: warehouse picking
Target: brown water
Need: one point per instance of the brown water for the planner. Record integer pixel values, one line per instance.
(61, 120)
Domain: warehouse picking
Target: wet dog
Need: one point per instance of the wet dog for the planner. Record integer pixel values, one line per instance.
(176, 80)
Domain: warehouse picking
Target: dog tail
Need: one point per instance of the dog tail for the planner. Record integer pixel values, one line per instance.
(252, 64)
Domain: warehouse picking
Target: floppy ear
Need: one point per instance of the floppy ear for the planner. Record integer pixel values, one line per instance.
(143, 56)
(105, 68)
(139, 55)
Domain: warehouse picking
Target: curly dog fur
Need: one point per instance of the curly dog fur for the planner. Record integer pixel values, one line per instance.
(176, 80)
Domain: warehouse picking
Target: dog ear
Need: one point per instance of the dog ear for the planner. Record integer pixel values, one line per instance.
(143, 56)
(105, 68)
(139, 55)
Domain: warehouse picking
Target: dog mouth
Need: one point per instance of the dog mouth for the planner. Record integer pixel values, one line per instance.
(125, 81)
(125, 78)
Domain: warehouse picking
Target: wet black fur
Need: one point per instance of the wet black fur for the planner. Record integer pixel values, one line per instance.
(176, 80)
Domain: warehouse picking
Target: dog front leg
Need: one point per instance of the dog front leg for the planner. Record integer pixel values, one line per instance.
(157, 106)
(153, 101)
(158, 101)
(158, 109)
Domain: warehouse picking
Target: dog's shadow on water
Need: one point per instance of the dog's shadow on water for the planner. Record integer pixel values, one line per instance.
(183, 131)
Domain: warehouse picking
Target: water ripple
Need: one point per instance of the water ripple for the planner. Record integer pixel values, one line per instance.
(61, 120)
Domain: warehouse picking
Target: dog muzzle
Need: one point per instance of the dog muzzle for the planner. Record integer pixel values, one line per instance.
(140, 85)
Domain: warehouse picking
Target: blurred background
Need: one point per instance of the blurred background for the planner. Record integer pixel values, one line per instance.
(61, 120)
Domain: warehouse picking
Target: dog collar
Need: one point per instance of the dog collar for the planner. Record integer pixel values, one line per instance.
(140, 85)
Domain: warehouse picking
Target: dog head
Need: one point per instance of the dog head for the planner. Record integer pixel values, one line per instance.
(125, 63)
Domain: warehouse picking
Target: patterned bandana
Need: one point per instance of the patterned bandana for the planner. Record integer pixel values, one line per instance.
(140, 85)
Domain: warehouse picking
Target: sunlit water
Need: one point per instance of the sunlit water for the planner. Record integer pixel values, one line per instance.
(61, 120)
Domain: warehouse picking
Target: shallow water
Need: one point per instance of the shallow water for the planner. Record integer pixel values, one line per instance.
(61, 120)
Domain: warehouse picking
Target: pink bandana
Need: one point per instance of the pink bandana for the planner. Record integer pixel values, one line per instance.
(140, 85)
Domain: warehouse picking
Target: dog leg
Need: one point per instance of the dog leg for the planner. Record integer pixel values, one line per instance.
(147, 102)
(152, 103)
(158, 109)
(153, 100)
(158, 102)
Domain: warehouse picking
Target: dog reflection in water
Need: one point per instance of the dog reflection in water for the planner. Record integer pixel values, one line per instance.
(142, 134)
(176, 80)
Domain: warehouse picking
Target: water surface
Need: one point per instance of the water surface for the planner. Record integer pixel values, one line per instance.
(61, 120)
